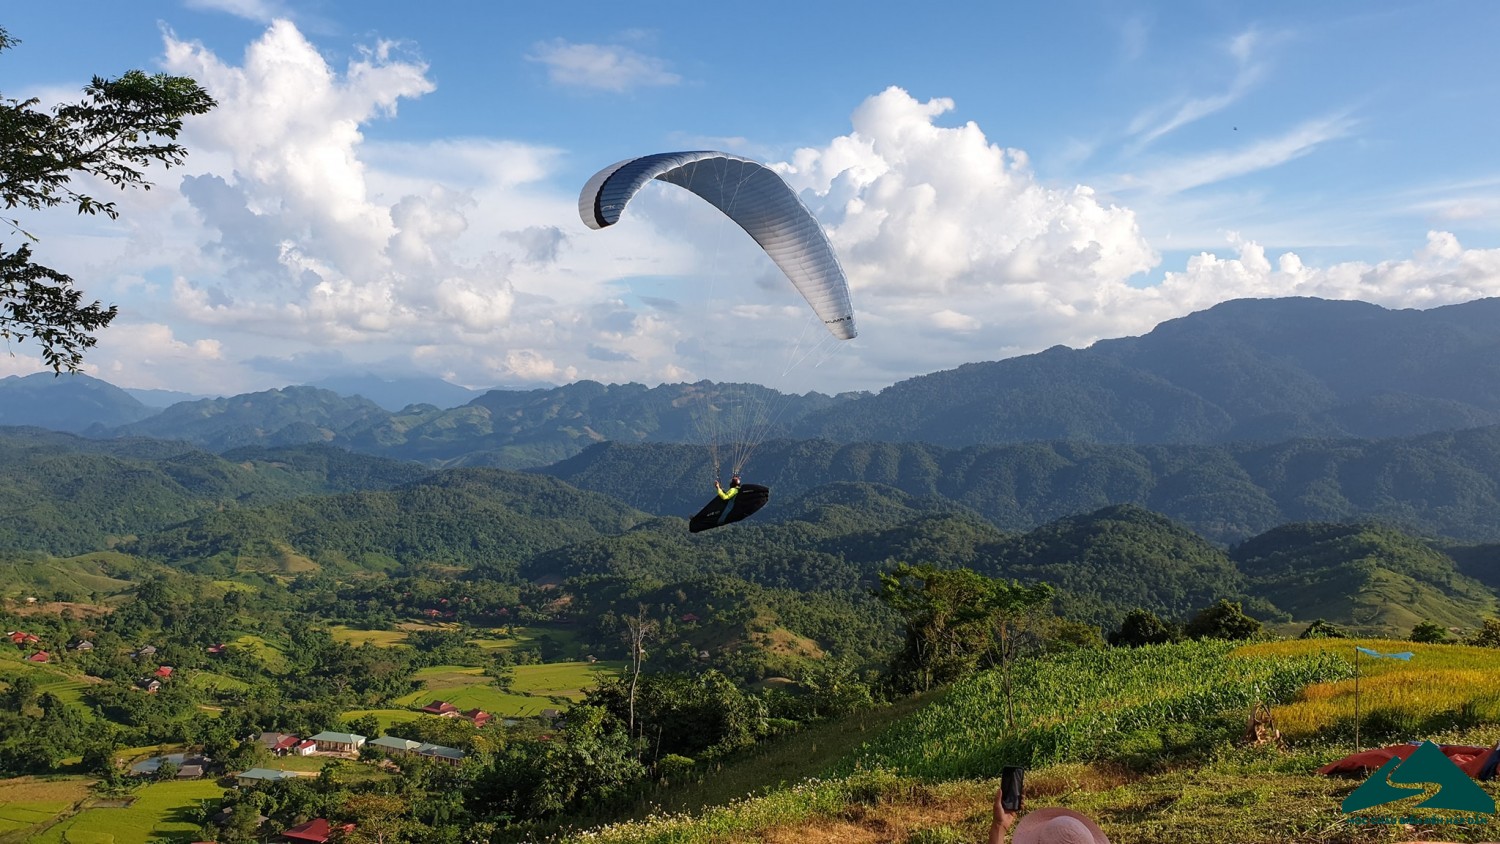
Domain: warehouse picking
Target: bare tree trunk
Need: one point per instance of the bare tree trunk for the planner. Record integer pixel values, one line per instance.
(637, 629)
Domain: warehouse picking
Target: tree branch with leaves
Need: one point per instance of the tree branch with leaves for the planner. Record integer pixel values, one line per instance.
(120, 128)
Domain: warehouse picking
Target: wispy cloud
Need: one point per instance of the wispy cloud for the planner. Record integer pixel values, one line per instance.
(1169, 117)
(1214, 167)
(602, 67)
(261, 11)
(1135, 32)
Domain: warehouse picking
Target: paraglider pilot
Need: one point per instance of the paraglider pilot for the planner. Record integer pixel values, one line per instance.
(734, 487)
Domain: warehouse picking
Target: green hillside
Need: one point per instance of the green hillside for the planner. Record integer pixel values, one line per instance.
(466, 517)
(1443, 484)
(1365, 577)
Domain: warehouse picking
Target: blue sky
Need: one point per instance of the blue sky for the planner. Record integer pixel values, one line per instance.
(391, 186)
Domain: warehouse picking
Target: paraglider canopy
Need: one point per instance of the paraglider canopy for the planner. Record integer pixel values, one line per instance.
(750, 194)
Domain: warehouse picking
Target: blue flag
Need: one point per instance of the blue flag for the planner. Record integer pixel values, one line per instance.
(1367, 652)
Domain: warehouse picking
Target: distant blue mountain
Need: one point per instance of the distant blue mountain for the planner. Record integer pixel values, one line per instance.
(400, 392)
(163, 398)
(72, 403)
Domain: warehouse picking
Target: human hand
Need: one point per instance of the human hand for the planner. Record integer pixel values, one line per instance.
(1003, 820)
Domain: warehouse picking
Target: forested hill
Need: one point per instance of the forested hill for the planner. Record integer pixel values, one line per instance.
(1251, 369)
(1445, 484)
(281, 513)
(66, 494)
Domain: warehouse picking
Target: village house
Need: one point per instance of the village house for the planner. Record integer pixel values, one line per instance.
(21, 639)
(315, 831)
(278, 743)
(189, 766)
(164, 672)
(39, 656)
(149, 685)
(478, 717)
(329, 742)
(306, 747)
(441, 708)
(216, 650)
(551, 714)
(392, 746)
(84, 646)
(451, 755)
(256, 776)
(145, 650)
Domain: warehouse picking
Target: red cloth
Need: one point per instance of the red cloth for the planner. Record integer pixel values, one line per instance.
(1467, 757)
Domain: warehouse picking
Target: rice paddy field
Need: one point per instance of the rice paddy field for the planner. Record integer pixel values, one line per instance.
(387, 717)
(269, 655)
(1146, 741)
(208, 680)
(533, 688)
(52, 677)
(554, 637)
(378, 638)
(1442, 687)
(159, 812)
(26, 803)
(563, 679)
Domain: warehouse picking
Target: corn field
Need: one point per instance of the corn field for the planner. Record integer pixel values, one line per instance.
(1090, 704)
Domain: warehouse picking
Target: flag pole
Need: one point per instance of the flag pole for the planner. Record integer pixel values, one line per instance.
(1356, 699)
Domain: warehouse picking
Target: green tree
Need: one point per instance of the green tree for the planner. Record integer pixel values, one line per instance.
(1321, 629)
(121, 127)
(243, 825)
(1224, 620)
(21, 693)
(1427, 631)
(166, 772)
(365, 725)
(953, 619)
(379, 819)
(1142, 627)
(1487, 636)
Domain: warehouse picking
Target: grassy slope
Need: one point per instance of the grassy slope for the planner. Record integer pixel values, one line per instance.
(1218, 794)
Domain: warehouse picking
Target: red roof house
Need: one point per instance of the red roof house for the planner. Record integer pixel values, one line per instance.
(441, 708)
(478, 716)
(39, 656)
(164, 672)
(317, 831)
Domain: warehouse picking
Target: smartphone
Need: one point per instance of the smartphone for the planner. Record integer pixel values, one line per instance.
(1012, 781)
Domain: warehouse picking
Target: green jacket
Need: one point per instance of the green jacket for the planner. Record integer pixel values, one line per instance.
(727, 494)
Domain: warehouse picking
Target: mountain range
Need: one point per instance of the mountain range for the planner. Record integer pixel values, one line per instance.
(1243, 371)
